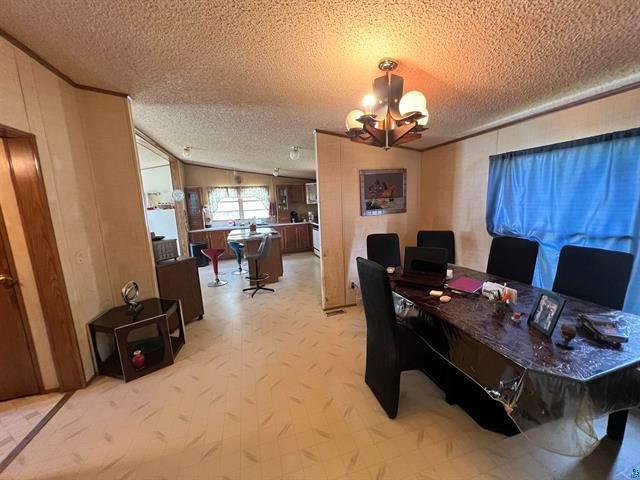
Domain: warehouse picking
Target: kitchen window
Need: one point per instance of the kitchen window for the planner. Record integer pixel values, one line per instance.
(238, 203)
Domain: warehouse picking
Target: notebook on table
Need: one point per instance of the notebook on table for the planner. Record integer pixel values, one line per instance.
(465, 284)
(424, 267)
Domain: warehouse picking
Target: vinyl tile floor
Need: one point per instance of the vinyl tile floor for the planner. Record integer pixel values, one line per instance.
(271, 388)
(19, 416)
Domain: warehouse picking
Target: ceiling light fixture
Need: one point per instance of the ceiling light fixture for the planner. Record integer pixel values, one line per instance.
(389, 118)
(186, 152)
(276, 172)
(294, 154)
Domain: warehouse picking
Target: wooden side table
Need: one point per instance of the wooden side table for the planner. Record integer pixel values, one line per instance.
(116, 335)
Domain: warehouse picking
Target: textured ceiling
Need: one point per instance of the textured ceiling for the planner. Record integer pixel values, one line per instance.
(242, 81)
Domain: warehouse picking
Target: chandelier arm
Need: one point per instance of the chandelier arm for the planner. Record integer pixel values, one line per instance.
(397, 133)
(376, 133)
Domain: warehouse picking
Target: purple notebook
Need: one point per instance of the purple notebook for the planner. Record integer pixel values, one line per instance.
(465, 284)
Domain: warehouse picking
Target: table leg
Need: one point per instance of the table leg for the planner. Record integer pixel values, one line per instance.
(616, 425)
(451, 388)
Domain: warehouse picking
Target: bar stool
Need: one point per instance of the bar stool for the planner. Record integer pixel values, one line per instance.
(237, 247)
(214, 254)
(263, 252)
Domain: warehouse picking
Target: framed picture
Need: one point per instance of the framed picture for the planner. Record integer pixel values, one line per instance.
(383, 191)
(546, 312)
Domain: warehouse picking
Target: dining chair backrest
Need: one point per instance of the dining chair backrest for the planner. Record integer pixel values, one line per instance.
(439, 239)
(378, 305)
(513, 258)
(384, 249)
(595, 275)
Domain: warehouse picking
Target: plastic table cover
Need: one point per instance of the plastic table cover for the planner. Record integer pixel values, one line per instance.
(552, 395)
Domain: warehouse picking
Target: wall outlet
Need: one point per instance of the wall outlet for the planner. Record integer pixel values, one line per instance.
(353, 285)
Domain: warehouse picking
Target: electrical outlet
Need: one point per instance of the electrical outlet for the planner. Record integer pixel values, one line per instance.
(353, 285)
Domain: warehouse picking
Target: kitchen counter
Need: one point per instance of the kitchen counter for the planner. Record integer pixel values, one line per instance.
(295, 237)
(237, 227)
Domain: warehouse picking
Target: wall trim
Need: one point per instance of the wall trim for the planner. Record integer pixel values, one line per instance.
(21, 46)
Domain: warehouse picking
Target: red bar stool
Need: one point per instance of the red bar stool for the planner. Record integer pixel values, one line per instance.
(214, 254)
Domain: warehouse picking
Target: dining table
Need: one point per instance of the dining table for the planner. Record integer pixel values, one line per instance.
(552, 394)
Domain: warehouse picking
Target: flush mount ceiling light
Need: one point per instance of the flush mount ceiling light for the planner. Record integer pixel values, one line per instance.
(390, 118)
(186, 152)
(294, 154)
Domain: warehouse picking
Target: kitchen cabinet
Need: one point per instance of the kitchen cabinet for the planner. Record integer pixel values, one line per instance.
(194, 207)
(311, 193)
(295, 237)
(303, 237)
(214, 239)
(290, 239)
(297, 194)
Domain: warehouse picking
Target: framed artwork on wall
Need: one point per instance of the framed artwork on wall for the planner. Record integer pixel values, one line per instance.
(383, 191)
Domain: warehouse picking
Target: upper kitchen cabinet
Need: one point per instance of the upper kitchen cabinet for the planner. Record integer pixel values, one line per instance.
(296, 193)
(311, 190)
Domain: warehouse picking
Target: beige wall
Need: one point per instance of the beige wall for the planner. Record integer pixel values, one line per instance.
(454, 177)
(86, 148)
(343, 229)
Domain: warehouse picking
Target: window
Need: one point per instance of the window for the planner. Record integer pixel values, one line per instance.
(238, 203)
(583, 192)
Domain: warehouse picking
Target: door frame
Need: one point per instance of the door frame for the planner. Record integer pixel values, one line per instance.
(21, 152)
(24, 319)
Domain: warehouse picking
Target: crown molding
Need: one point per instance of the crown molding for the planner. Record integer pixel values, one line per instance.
(21, 46)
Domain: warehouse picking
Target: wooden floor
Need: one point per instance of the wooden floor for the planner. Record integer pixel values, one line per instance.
(272, 388)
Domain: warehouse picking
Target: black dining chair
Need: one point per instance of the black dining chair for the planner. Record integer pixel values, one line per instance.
(439, 239)
(595, 275)
(513, 258)
(391, 346)
(384, 248)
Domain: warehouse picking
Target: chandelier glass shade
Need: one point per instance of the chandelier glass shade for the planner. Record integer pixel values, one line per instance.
(389, 117)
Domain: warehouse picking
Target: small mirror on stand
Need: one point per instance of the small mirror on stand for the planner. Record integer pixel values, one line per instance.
(130, 293)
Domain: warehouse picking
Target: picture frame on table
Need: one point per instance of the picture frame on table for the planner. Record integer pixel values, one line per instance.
(546, 312)
(383, 191)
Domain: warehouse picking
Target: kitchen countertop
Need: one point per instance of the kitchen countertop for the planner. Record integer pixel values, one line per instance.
(238, 227)
(240, 234)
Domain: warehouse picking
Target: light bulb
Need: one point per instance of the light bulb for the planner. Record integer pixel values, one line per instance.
(276, 172)
(368, 101)
(352, 119)
(412, 101)
(425, 120)
(186, 152)
(294, 154)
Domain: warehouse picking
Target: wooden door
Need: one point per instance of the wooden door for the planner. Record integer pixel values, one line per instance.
(19, 375)
(193, 196)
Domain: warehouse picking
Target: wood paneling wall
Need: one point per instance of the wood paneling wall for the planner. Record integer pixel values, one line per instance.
(455, 176)
(343, 230)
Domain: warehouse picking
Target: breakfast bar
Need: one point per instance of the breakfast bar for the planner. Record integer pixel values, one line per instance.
(272, 264)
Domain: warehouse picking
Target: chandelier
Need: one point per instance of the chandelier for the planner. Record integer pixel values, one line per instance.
(390, 117)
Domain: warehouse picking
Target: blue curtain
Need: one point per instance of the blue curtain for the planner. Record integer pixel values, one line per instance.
(585, 192)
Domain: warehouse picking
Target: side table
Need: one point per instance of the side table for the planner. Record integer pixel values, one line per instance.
(116, 334)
